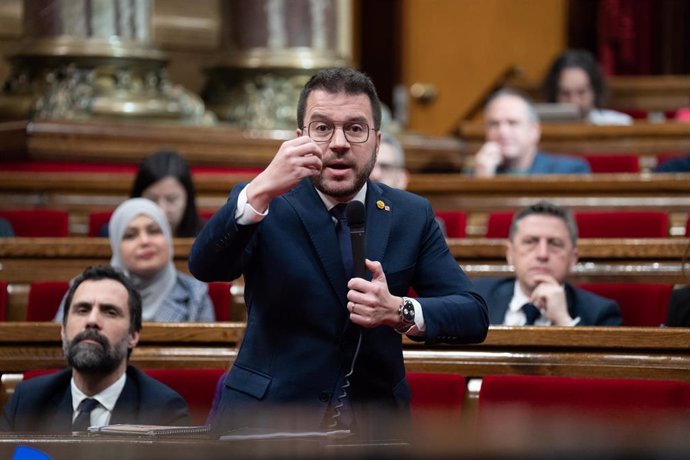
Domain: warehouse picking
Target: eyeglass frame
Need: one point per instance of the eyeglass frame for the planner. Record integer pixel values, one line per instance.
(342, 127)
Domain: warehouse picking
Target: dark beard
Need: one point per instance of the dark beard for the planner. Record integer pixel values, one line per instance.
(90, 358)
(358, 183)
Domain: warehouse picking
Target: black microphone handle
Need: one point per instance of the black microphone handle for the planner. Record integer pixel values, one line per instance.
(359, 268)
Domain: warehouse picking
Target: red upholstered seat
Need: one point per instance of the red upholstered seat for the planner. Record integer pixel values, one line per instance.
(455, 222)
(44, 299)
(581, 394)
(498, 224)
(435, 391)
(642, 304)
(622, 224)
(196, 386)
(37, 373)
(613, 163)
(97, 219)
(3, 301)
(222, 300)
(38, 222)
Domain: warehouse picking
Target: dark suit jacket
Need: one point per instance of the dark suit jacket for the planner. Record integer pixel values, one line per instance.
(592, 309)
(299, 341)
(44, 404)
(678, 314)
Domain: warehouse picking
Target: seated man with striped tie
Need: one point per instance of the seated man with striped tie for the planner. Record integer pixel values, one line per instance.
(100, 329)
(542, 247)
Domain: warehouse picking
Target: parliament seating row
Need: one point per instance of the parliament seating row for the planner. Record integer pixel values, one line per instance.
(591, 224)
(443, 397)
(642, 304)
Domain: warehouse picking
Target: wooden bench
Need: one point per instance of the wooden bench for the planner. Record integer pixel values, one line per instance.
(24, 260)
(83, 192)
(648, 353)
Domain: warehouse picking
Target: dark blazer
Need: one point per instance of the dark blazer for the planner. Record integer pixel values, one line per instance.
(44, 404)
(592, 309)
(299, 341)
(678, 314)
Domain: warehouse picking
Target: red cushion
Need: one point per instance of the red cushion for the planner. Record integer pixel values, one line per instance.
(498, 224)
(622, 224)
(44, 299)
(37, 373)
(613, 163)
(3, 301)
(642, 304)
(38, 222)
(196, 386)
(222, 300)
(436, 391)
(455, 222)
(97, 219)
(582, 394)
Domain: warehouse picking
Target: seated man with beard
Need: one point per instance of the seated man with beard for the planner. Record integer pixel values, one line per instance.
(100, 328)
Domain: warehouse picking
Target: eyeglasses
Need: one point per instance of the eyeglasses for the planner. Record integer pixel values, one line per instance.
(355, 133)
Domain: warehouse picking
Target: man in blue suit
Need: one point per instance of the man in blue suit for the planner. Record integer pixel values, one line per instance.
(512, 139)
(542, 247)
(318, 340)
(99, 330)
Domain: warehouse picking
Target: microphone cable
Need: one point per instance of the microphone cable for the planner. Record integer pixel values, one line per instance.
(340, 402)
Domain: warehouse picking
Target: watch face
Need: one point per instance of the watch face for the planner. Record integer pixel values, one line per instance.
(408, 311)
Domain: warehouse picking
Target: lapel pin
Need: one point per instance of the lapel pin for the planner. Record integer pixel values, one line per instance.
(381, 205)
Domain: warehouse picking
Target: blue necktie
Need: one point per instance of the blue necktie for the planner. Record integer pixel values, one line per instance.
(531, 313)
(83, 420)
(342, 229)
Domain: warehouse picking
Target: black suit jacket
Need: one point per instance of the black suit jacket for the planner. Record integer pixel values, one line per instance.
(678, 314)
(592, 309)
(44, 404)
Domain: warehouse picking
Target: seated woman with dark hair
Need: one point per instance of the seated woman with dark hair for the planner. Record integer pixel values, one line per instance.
(576, 78)
(165, 179)
(142, 246)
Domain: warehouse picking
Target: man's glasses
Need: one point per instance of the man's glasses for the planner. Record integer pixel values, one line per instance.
(355, 133)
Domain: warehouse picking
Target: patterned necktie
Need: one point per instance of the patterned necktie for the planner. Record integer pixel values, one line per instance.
(531, 313)
(83, 420)
(342, 229)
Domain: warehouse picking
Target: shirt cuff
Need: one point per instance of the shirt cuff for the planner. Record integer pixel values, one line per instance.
(575, 322)
(245, 214)
(419, 328)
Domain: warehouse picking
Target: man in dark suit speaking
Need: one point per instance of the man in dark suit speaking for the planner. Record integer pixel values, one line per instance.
(542, 247)
(100, 328)
(318, 339)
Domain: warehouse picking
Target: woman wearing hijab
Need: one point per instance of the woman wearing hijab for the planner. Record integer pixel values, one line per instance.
(142, 246)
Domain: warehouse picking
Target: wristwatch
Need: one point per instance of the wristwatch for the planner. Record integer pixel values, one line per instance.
(406, 312)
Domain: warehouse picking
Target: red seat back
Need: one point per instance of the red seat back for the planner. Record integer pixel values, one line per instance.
(3, 301)
(97, 219)
(498, 224)
(44, 299)
(38, 222)
(642, 304)
(613, 163)
(435, 391)
(622, 224)
(455, 222)
(196, 386)
(221, 297)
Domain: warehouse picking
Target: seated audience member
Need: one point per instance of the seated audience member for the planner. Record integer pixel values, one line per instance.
(100, 328)
(675, 165)
(142, 246)
(6, 229)
(542, 247)
(512, 138)
(576, 78)
(390, 163)
(164, 178)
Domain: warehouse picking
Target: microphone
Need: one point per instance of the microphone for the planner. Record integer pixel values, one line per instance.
(354, 211)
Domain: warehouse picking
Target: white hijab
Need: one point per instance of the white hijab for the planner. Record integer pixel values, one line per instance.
(156, 289)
